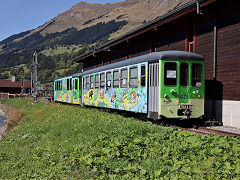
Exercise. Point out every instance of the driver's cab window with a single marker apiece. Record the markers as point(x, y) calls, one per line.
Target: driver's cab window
point(170, 74)
point(196, 75)
point(184, 74)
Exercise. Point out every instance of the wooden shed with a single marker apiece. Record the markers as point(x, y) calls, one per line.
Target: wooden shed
point(14, 88)
point(210, 28)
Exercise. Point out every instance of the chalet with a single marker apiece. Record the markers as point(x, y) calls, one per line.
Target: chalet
point(14, 88)
point(210, 28)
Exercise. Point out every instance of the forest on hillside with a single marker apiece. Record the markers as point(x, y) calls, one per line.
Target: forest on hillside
point(14, 53)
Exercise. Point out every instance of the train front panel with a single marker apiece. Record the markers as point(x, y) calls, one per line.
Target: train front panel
point(182, 89)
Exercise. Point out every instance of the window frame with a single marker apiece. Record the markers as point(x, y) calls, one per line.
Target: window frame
point(121, 78)
point(187, 84)
point(67, 84)
point(87, 82)
point(70, 84)
point(79, 83)
point(107, 80)
point(164, 79)
point(96, 81)
point(91, 81)
point(116, 79)
point(143, 76)
point(76, 84)
point(135, 77)
point(192, 74)
point(83, 82)
point(102, 80)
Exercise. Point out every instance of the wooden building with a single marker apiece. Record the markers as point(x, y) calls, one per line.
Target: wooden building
point(14, 88)
point(210, 28)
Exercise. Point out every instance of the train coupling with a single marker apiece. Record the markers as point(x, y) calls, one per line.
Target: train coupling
point(186, 112)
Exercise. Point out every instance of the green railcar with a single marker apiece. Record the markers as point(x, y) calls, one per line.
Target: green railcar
point(176, 86)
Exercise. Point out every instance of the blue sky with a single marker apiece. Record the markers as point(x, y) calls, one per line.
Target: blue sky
point(21, 15)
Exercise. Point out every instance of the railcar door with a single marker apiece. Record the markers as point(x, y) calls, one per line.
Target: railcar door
point(153, 85)
point(80, 90)
point(184, 83)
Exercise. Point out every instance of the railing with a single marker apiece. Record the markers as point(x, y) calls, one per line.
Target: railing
point(4, 95)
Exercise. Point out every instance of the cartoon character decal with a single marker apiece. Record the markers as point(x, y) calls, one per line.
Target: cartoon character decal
point(130, 99)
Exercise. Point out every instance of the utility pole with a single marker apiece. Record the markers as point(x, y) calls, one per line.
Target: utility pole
point(35, 65)
point(31, 92)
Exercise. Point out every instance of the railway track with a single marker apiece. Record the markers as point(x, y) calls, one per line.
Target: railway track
point(208, 131)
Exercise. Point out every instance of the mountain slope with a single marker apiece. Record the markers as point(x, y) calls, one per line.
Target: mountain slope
point(85, 25)
point(83, 15)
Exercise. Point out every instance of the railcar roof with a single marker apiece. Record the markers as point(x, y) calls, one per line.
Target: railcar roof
point(163, 55)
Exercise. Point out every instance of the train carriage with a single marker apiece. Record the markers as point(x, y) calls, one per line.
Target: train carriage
point(163, 84)
point(67, 90)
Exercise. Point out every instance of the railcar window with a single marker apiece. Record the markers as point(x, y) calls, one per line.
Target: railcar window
point(96, 81)
point(67, 84)
point(57, 85)
point(76, 84)
point(124, 78)
point(84, 81)
point(143, 75)
point(87, 82)
point(70, 80)
point(170, 74)
point(79, 84)
point(116, 79)
point(109, 79)
point(184, 74)
point(91, 81)
point(133, 80)
point(196, 75)
point(102, 80)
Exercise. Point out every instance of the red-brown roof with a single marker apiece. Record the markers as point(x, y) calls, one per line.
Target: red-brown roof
point(9, 83)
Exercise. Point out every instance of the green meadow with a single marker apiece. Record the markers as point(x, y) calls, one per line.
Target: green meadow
point(56, 141)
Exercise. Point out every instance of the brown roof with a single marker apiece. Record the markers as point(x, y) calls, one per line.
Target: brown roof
point(9, 83)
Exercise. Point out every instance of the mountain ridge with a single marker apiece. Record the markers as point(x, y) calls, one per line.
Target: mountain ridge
point(83, 27)
point(83, 15)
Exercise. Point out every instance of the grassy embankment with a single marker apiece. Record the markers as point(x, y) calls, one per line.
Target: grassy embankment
point(62, 141)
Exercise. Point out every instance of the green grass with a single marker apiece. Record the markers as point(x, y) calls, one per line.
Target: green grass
point(61, 50)
point(64, 141)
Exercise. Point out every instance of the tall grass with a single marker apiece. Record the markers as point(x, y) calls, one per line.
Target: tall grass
point(64, 141)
